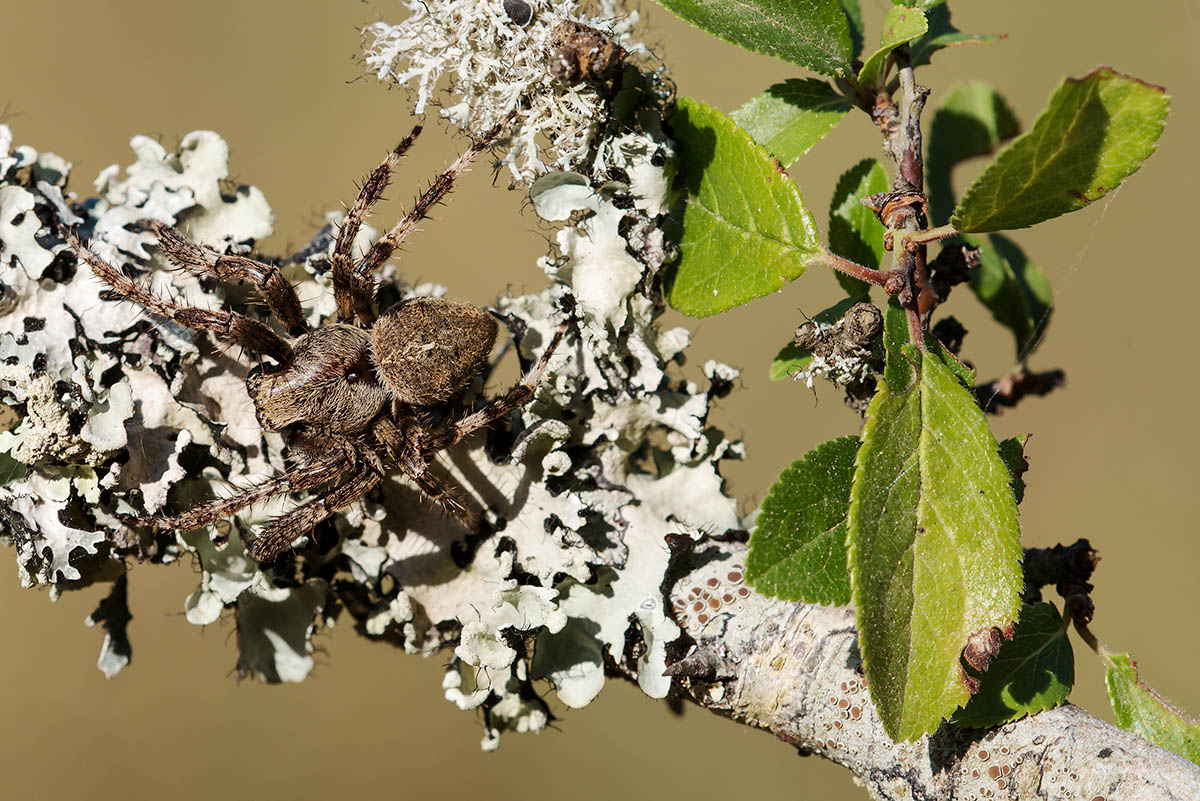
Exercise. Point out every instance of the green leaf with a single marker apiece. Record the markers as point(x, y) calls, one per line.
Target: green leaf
point(918, 3)
point(1095, 131)
point(746, 230)
point(855, 232)
point(1012, 453)
point(1144, 712)
point(854, 17)
point(790, 117)
point(811, 33)
point(900, 362)
point(964, 374)
point(935, 555)
point(10, 469)
point(798, 548)
point(901, 25)
point(1014, 290)
point(899, 369)
point(792, 359)
point(973, 120)
point(1032, 672)
point(789, 361)
point(942, 34)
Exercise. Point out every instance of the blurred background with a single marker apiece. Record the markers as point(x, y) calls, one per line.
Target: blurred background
point(1113, 456)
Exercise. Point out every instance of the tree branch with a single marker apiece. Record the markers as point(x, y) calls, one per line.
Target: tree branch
point(596, 496)
point(794, 670)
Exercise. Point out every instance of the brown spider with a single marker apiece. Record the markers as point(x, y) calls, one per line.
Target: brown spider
point(349, 398)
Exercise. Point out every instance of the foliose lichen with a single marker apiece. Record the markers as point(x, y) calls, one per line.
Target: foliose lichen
point(123, 414)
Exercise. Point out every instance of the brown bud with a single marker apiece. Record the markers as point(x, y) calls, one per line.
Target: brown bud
point(894, 284)
point(982, 646)
point(581, 53)
point(863, 322)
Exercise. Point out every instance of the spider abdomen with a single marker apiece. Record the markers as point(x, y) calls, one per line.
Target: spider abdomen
point(427, 349)
point(329, 384)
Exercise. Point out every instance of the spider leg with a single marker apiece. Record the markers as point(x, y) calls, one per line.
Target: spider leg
point(279, 535)
point(439, 490)
point(519, 395)
point(403, 447)
point(231, 327)
point(200, 259)
point(349, 289)
point(306, 477)
point(364, 285)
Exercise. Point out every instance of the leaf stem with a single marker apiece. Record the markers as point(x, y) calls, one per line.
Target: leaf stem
point(1086, 635)
point(915, 239)
point(852, 268)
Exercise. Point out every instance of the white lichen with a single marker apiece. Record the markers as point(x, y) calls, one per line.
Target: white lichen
point(580, 489)
point(107, 401)
point(494, 68)
point(845, 364)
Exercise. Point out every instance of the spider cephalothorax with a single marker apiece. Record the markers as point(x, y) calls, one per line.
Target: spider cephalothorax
point(349, 395)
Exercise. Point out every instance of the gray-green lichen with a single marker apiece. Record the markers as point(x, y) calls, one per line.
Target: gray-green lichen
point(123, 414)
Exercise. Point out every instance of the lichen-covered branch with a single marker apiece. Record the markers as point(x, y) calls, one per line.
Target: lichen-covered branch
point(608, 546)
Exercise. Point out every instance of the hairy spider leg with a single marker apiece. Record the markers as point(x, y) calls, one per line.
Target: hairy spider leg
point(311, 475)
point(279, 535)
point(403, 448)
point(519, 395)
point(268, 279)
point(363, 286)
point(231, 327)
point(347, 285)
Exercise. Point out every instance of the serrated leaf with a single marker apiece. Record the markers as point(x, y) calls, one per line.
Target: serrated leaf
point(855, 233)
point(811, 33)
point(942, 34)
point(1014, 290)
point(790, 117)
point(798, 548)
point(901, 25)
point(854, 17)
point(1141, 710)
point(1032, 672)
point(935, 555)
point(792, 359)
point(899, 358)
point(973, 120)
point(746, 230)
point(964, 374)
point(1012, 453)
point(1095, 131)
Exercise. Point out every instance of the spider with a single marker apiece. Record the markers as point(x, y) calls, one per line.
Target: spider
point(351, 399)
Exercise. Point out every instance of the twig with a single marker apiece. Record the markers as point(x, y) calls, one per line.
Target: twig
point(851, 268)
point(1006, 392)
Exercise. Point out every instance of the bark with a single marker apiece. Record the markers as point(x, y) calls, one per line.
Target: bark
point(794, 670)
